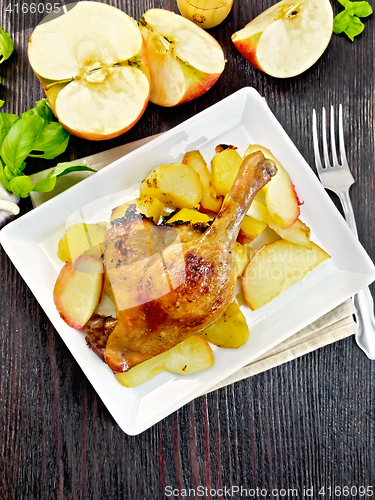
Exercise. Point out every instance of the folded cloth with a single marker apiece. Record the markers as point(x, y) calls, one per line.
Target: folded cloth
point(333, 326)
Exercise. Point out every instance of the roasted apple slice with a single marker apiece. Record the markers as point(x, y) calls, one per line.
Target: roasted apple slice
point(281, 198)
point(78, 290)
point(275, 268)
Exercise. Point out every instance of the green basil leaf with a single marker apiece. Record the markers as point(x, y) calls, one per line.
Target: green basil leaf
point(6, 45)
point(6, 122)
point(52, 141)
point(21, 185)
point(354, 28)
point(360, 9)
point(341, 22)
point(43, 109)
point(45, 180)
point(67, 167)
point(45, 185)
point(343, 2)
point(20, 140)
point(3, 180)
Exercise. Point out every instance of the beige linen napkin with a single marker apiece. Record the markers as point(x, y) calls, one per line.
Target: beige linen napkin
point(335, 325)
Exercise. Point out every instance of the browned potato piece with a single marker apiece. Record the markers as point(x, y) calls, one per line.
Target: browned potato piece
point(241, 257)
point(230, 331)
point(177, 185)
point(250, 229)
point(210, 202)
point(146, 205)
point(224, 169)
point(82, 239)
point(190, 356)
point(189, 215)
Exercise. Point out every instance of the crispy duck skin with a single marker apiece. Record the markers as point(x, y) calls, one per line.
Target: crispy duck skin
point(98, 329)
point(172, 290)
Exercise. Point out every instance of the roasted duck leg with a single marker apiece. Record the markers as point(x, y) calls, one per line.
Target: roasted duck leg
point(179, 289)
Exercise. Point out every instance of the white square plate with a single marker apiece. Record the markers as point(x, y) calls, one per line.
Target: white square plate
point(240, 119)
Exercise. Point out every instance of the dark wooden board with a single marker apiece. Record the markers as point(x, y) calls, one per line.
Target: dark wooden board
point(308, 423)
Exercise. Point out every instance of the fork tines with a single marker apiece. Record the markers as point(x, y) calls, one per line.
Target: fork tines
point(335, 161)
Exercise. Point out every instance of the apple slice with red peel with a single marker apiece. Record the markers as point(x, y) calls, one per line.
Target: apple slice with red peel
point(275, 268)
point(288, 38)
point(92, 63)
point(185, 61)
point(78, 290)
point(280, 195)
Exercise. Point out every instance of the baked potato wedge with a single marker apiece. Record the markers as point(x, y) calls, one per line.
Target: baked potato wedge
point(190, 356)
point(230, 331)
point(177, 185)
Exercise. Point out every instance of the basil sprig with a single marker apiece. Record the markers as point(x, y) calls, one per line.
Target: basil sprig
point(348, 21)
point(37, 134)
point(6, 45)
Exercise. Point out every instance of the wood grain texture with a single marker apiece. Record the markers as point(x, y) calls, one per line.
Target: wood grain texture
point(307, 423)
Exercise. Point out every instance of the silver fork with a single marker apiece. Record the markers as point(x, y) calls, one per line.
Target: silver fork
point(338, 178)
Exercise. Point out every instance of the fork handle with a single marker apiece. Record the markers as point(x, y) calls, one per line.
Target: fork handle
point(363, 301)
point(348, 211)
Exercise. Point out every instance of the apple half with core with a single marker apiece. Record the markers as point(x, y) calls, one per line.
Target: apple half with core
point(92, 63)
point(288, 38)
point(185, 61)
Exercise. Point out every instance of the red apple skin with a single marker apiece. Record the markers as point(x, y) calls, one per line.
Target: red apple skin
point(247, 48)
point(52, 93)
point(197, 88)
point(65, 305)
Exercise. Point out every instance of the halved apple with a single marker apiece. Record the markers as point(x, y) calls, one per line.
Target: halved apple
point(275, 268)
point(92, 63)
point(185, 61)
point(288, 38)
point(78, 290)
point(280, 195)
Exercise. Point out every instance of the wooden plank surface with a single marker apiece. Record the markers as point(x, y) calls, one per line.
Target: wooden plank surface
point(308, 423)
